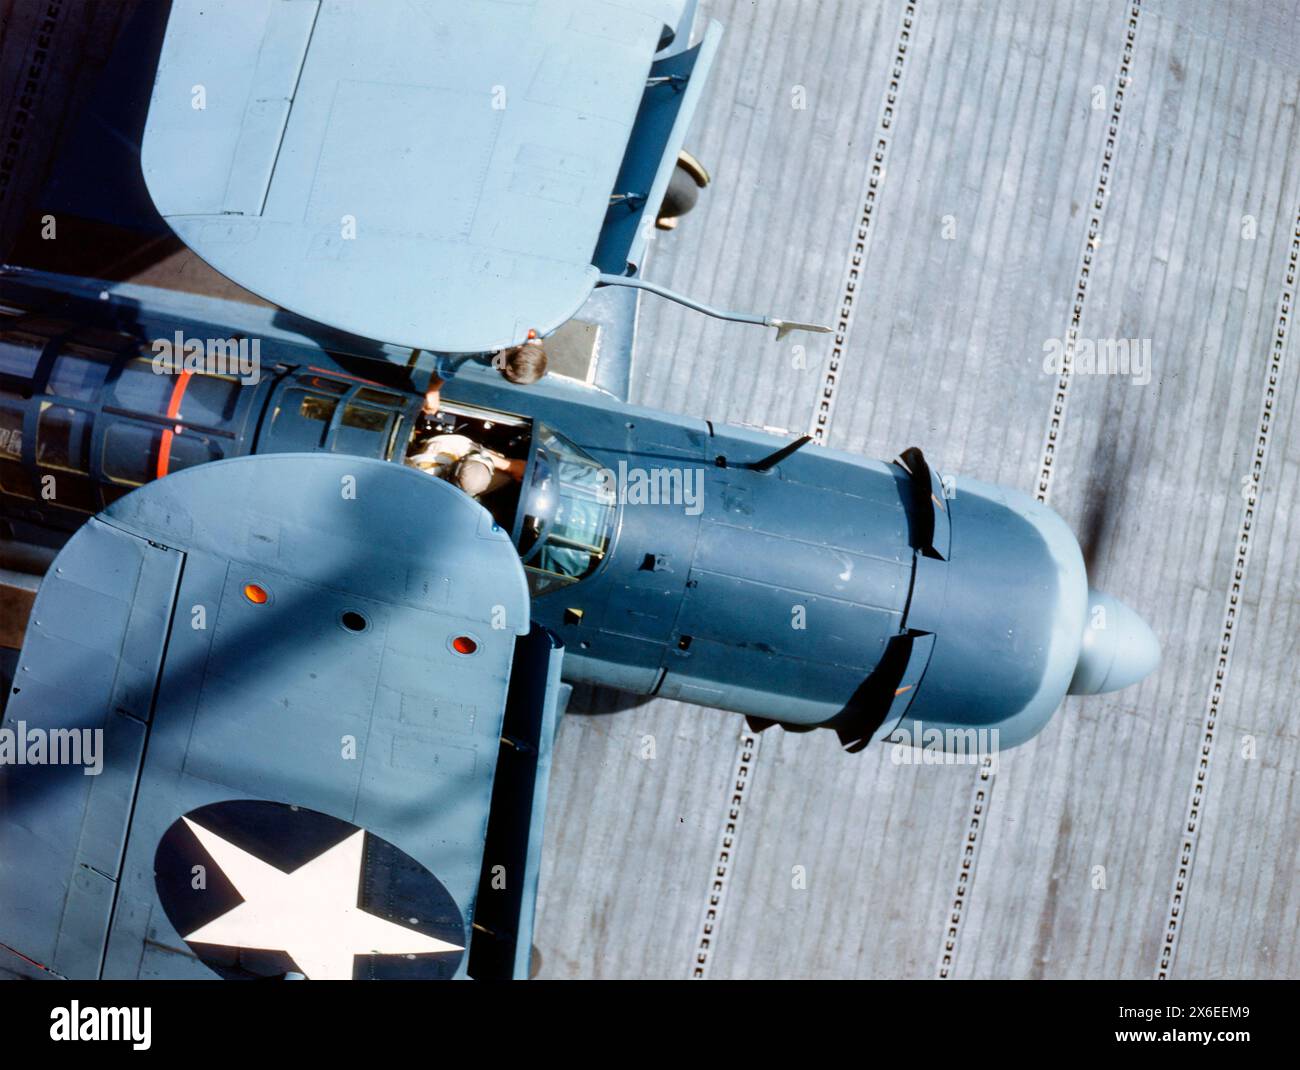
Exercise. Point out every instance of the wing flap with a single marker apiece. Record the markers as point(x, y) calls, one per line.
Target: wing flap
point(503, 937)
point(274, 79)
point(221, 102)
point(83, 687)
point(666, 111)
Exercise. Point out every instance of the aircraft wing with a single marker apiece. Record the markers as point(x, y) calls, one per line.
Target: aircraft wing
point(435, 175)
point(316, 721)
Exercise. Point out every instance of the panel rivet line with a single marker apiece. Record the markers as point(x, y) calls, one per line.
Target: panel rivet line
point(747, 752)
point(1201, 773)
point(982, 794)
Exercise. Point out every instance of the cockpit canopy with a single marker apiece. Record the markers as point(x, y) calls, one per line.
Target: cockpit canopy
point(566, 513)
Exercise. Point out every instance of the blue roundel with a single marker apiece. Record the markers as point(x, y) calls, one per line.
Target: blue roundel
point(263, 889)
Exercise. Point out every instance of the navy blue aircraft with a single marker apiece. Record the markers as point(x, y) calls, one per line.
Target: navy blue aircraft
point(316, 681)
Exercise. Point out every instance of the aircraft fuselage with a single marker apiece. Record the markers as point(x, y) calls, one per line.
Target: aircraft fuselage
point(823, 589)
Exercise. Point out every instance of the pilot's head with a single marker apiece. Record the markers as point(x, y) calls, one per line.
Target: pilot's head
point(523, 364)
point(474, 475)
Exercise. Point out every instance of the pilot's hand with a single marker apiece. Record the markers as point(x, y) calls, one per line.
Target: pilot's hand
point(513, 468)
point(433, 397)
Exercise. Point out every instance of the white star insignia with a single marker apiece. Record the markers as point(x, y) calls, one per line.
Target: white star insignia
point(310, 914)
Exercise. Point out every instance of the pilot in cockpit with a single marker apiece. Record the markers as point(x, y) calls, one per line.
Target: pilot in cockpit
point(472, 467)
